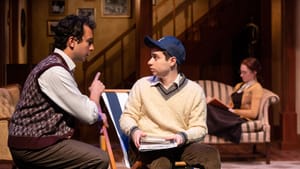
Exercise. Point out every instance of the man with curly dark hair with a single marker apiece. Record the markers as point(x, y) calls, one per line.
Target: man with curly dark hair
point(42, 126)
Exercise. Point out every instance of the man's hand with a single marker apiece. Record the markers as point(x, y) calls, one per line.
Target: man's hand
point(232, 111)
point(104, 119)
point(177, 137)
point(96, 88)
point(136, 137)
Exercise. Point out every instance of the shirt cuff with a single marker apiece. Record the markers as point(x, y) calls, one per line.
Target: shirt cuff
point(184, 136)
point(132, 130)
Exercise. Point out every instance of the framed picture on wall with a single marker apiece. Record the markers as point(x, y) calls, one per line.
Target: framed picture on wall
point(57, 7)
point(90, 12)
point(50, 25)
point(120, 8)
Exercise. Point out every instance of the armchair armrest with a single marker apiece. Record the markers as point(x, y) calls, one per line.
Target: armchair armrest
point(9, 96)
point(15, 91)
point(268, 99)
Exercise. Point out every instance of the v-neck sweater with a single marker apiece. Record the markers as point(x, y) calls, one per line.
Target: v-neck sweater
point(156, 115)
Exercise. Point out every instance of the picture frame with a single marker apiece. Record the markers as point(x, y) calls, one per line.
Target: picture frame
point(50, 25)
point(119, 9)
point(57, 7)
point(90, 12)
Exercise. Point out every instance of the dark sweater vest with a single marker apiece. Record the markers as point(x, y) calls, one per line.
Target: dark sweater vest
point(38, 122)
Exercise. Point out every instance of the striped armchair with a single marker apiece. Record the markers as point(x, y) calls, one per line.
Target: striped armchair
point(253, 132)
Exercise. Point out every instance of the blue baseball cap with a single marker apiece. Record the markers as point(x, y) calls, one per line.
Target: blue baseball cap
point(170, 44)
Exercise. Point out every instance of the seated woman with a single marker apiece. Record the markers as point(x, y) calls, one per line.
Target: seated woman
point(244, 104)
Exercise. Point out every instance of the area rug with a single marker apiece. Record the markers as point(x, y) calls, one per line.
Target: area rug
point(261, 165)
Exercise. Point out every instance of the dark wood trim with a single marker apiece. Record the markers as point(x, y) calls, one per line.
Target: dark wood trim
point(143, 17)
point(13, 31)
point(265, 47)
point(29, 33)
point(289, 115)
point(2, 43)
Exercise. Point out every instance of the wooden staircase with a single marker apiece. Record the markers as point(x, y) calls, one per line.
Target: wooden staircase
point(214, 47)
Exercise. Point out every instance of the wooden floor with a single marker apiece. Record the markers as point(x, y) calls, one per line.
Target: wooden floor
point(237, 154)
point(243, 152)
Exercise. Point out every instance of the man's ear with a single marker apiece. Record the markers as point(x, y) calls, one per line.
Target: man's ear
point(173, 60)
point(71, 42)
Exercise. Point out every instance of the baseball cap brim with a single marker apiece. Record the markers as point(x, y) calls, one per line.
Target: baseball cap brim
point(151, 43)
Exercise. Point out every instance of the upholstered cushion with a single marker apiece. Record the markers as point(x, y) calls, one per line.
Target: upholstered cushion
point(9, 96)
point(252, 137)
point(4, 151)
point(216, 89)
point(6, 104)
point(252, 126)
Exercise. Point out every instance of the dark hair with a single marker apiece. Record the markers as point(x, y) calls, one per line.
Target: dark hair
point(168, 56)
point(71, 25)
point(254, 65)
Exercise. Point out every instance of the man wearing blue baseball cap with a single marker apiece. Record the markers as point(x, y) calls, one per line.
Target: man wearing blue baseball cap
point(168, 106)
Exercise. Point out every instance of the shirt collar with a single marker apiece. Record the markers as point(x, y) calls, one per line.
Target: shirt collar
point(246, 85)
point(155, 80)
point(67, 59)
point(250, 83)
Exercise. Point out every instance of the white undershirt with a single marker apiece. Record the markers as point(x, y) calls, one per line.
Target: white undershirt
point(59, 85)
point(246, 85)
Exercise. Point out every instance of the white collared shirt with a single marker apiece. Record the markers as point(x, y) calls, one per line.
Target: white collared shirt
point(156, 80)
point(59, 85)
point(246, 85)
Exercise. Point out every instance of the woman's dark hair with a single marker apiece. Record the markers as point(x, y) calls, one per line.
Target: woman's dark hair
point(71, 25)
point(254, 65)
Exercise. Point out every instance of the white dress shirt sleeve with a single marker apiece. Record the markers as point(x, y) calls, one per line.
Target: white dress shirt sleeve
point(59, 85)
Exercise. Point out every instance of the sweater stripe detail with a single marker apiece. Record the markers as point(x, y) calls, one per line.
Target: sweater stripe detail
point(167, 93)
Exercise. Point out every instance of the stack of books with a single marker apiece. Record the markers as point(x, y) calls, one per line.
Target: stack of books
point(154, 143)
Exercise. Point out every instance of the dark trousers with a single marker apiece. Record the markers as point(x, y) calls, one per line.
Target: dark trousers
point(223, 123)
point(195, 154)
point(65, 154)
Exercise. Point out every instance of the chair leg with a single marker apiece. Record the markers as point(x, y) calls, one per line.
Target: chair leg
point(267, 152)
point(254, 149)
point(14, 167)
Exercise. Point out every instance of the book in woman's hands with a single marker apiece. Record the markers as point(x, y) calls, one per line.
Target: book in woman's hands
point(155, 143)
point(217, 103)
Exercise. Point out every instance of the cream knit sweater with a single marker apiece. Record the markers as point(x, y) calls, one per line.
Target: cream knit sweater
point(185, 111)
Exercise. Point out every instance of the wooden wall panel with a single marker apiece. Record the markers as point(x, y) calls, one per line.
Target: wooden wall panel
point(2, 43)
point(289, 115)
